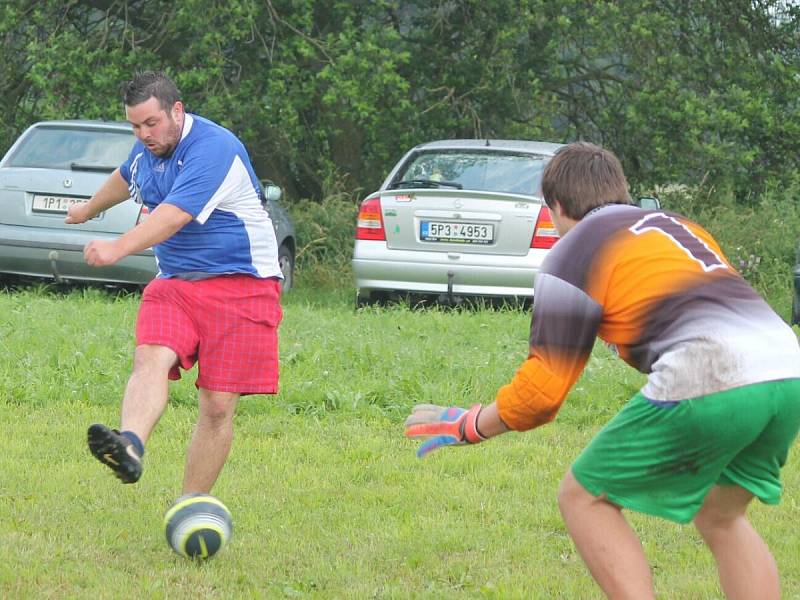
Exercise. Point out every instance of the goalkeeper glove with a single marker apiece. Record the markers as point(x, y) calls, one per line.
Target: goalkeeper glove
point(443, 426)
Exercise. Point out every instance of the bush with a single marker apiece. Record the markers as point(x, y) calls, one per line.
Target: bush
point(324, 239)
point(758, 235)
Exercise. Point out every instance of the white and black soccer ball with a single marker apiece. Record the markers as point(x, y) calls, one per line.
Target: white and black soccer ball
point(198, 526)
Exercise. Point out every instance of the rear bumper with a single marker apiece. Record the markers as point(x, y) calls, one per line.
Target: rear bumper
point(377, 269)
point(58, 254)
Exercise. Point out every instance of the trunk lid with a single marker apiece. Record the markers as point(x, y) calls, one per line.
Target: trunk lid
point(36, 197)
point(465, 221)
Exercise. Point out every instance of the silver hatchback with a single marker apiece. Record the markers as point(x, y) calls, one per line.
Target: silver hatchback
point(54, 164)
point(456, 219)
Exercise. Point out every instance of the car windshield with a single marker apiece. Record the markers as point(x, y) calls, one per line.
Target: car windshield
point(509, 172)
point(71, 148)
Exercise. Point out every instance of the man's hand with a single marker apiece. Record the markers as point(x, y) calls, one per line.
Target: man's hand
point(78, 213)
point(443, 426)
point(99, 253)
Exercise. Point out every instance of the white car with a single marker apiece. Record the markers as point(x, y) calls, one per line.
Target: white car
point(456, 219)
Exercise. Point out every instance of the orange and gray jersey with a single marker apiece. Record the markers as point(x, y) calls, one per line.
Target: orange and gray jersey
point(656, 288)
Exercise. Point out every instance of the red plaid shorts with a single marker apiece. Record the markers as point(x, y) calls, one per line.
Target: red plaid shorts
point(227, 324)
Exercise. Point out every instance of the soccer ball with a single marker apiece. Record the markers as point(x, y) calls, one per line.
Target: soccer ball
point(198, 526)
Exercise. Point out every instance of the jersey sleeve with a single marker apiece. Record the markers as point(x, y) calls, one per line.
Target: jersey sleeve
point(563, 329)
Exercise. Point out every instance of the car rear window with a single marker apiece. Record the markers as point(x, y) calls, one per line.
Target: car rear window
point(508, 172)
point(67, 147)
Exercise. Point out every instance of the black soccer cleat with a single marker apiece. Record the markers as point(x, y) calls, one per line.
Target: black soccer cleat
point(116, 451)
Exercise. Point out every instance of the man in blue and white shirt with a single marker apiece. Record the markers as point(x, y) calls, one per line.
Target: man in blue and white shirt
point(208, 176)
point(216, 298)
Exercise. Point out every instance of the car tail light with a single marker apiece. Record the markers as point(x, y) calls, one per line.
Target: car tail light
point(544, 233)
point(370, 221)
point(142, 214)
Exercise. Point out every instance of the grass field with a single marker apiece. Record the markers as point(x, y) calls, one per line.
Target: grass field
point(327, 497)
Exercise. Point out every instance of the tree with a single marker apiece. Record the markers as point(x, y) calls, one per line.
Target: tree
point(328, 94)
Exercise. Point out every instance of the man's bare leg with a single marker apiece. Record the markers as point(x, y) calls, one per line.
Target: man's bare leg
point(211, 441)
point(142, 405)
point(605, 541)
point(746, 567)
point(148, 390)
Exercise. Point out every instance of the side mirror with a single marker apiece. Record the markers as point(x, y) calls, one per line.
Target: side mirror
point(272, 192)
point(648, 203)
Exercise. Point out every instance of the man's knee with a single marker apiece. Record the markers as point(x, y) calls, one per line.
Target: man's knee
point(708, 520)
point(571, 494)
point(151, 358)
point(573, 498)
point(722, 508)
point(217, 407)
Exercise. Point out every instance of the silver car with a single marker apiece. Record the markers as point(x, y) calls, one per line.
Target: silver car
point(54, 164)
point(456, 219)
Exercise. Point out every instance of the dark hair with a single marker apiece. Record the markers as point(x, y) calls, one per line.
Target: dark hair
point(151, 84)
point(582, 176)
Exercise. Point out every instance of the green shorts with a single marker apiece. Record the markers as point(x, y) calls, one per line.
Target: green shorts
point(662, 459)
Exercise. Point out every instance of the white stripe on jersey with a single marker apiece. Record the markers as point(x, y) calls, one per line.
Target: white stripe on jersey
point(237, 195)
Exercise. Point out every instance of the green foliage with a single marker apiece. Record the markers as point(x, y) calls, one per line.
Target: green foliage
point(758, 234)
point(325, 233)
point(328, 94)
point(723, 106)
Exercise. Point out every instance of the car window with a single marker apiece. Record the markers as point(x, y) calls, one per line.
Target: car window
point(485, 171)
point(60, 148)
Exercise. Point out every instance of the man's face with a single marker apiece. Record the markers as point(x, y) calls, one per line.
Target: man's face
point(158, 129)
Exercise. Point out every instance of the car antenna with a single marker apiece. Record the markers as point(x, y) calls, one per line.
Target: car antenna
point(487, 142)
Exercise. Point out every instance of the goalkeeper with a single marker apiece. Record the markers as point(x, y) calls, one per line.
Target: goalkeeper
point(712, 426)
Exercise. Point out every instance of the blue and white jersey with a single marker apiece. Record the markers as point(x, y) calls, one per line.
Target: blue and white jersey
point(209, 176)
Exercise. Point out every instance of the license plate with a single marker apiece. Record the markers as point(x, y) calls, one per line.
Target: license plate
point(54, 204)
point(458, 233)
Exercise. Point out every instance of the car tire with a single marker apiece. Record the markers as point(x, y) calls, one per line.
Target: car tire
point(286, 263)
point(8, 280)
point(362, 299)
point(378, 298)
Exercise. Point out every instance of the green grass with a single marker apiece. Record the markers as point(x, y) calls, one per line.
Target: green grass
point(327, 497)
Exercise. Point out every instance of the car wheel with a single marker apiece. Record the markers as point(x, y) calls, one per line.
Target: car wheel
point(8, 280)
point(362, 299)
point(286, 263)
point(371, 298)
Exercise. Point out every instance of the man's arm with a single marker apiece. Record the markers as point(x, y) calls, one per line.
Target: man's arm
point(489, 422)
point(161, 224)
point(563, 329)
point(113, 191)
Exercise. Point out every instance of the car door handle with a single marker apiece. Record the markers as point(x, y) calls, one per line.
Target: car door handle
point(453, 255)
